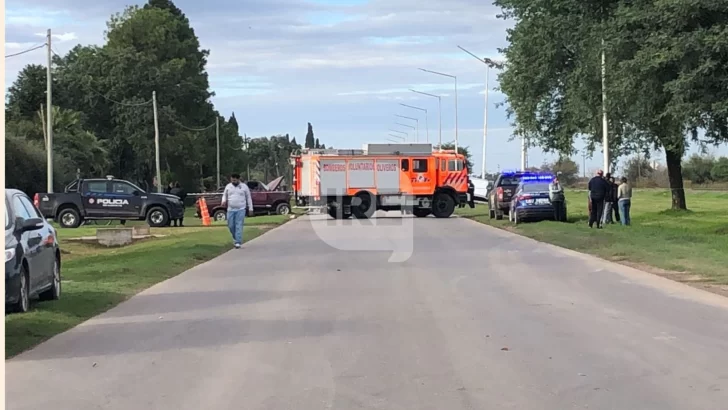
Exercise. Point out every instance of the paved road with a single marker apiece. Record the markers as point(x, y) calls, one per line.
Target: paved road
point(290, 322)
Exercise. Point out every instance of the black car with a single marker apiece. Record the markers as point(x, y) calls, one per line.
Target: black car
point(499, 196)
point(32, 255)
point(108, 199)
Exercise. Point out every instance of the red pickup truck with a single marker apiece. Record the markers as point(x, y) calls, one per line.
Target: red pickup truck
point(267, 199)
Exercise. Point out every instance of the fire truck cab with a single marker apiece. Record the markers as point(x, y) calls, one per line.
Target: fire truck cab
point(359, 182)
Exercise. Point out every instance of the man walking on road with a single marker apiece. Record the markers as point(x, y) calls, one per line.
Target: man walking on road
point(237, 198)
point(598, 189)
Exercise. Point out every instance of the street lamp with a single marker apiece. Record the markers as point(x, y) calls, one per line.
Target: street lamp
point(488, 64)
point(417, 123)
point(396, 136)
point(439, 111)
point(427, 126)
point(456, 101)
point(406, 125)
point(400, 132)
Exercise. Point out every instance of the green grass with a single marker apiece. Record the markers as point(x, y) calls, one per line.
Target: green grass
point(95, 279)
point(693, 242)
point(190, 221)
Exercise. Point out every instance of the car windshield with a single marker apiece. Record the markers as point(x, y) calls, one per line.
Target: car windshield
point(536, 187)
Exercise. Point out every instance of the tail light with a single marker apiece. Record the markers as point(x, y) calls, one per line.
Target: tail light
point(36, 200)
point(524, 197)
point(500, 193)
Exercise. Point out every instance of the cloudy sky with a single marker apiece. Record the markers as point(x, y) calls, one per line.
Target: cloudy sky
point(343, 65)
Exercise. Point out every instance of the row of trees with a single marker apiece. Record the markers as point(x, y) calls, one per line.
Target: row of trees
point(663, 76)
point(103, 116)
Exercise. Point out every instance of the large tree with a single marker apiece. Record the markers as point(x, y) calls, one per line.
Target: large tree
point(310, 139)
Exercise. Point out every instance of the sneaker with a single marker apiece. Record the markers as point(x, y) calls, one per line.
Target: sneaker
point(237, 246)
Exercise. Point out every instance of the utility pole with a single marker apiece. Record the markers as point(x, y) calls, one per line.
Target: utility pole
point(605, 124)
point(524, 153)
point(583, 163)
point(49, 122)
point(485, 120)
point(217, 138)
point(156, 142)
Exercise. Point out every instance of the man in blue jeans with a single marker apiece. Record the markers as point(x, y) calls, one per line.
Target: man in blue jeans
point(237, 198)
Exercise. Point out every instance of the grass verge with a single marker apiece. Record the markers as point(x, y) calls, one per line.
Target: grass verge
point(96, 279)
point(688, 246)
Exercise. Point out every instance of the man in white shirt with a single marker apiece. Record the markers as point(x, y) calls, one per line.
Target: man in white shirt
point(237, 198)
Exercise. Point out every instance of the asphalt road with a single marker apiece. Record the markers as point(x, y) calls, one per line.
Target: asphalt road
point(476, 319)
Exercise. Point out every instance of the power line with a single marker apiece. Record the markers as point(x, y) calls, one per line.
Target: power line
point(184, 126)
point(26, 51)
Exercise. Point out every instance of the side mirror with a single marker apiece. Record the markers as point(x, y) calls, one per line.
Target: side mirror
point(136, 193)
point(32, 224)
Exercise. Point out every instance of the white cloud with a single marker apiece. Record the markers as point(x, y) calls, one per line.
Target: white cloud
point(62, 38)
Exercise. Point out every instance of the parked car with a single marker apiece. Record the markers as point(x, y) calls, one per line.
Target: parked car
point(266, 199)
point(32, 254)
point(531, 201)
point(108, 199)
point(499, 196)
point(482, 188)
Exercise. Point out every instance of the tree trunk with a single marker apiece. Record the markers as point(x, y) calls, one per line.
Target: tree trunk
point(674, 174)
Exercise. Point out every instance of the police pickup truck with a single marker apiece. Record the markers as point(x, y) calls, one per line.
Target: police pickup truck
point(110, 199)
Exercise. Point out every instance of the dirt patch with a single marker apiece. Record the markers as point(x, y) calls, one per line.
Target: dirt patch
point(687, 278)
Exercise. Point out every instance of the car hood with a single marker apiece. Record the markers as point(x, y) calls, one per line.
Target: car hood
point(274, 184)
point(158, 195)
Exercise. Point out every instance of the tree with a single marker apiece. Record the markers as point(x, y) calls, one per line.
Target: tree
point(316, 144)
point(637, 168)
point(234, 124)
point(566, 169)
point(27, 93)
point(310, 142)
point(720, 170)
point(698, 169)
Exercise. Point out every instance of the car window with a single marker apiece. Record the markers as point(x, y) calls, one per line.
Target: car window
point(253, 185)
point(122, 188)
point(19, 208)
point(535, 187)
point(452, 165)
point(97, 187)
point(32, 210)
point(509, 181)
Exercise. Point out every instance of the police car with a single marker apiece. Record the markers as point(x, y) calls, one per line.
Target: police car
point(108, 199)
point(531, 200)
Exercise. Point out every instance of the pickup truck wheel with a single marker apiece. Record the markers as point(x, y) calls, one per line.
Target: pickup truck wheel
point(69, 218)
point(219, 215)
point(157, 217)
point(283, 209)
point(443, 206)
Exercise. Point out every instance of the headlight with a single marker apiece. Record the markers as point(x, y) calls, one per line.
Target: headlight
point(9, 254)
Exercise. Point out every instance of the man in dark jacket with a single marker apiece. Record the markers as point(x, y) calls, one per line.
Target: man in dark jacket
point(598, 190)
point(181, 194)
point(609, 200)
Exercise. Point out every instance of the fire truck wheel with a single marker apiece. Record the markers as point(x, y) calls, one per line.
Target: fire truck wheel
point(421, 212)
point(443, 206)
point(363, 205)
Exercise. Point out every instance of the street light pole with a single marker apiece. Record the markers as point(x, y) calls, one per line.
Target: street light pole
point(400, 132)
point(488, 65)
point(456, 101)
point(427, 126)
point(417, 124)
point(439, 113)
point(49, 120)
point(605, 124)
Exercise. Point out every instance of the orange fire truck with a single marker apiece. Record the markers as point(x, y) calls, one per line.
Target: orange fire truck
point(381, 176)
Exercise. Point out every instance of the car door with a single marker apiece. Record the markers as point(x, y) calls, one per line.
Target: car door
point(93, 196)
point(31, 242)
point(420, 176)
point(126, 200)
point(258, 193)
point(46, 253)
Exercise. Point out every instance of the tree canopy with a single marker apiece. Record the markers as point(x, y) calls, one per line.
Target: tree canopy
point(664, 76)
point(103, 114)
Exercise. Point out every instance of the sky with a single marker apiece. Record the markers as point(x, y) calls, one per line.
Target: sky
point(345, 66)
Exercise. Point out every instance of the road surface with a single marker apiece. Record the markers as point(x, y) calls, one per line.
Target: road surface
point(477, 318)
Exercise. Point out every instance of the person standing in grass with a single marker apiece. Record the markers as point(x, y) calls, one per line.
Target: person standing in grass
point(610, 201)
point(556, 196)
point(598, 189)
point(624, 200)
point(237, 198)
point(182, 195)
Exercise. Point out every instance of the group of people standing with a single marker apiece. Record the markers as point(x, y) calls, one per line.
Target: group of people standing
point(609, 201)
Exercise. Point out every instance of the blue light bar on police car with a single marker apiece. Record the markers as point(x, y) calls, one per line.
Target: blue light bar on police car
point(537, 178)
